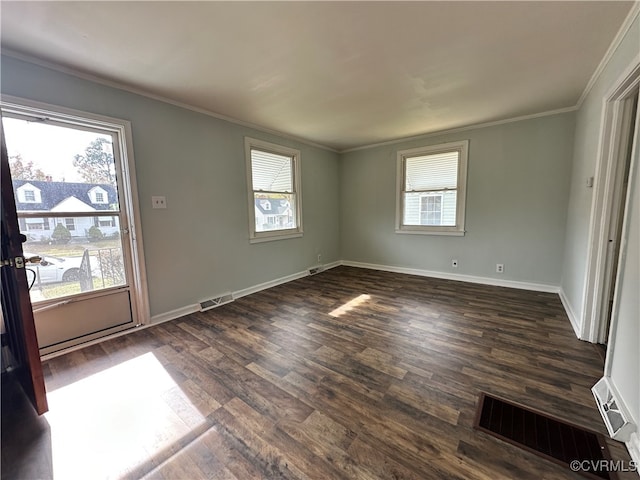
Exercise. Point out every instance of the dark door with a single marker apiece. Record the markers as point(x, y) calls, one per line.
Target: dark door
point(16, 304)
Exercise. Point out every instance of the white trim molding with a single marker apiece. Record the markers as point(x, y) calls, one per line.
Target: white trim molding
point(189, 309)
point(173, 314)
point(570, 313)
point(617, 40)
point(536, 287)
point(616, 104)
point(144, 93)
point(633, 445)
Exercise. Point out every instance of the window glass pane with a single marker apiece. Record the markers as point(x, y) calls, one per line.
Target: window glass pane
point(65, 170)
point(81, 259)
point(429, 172)
point(433, 208)
point(271, 172)
point(274, 211)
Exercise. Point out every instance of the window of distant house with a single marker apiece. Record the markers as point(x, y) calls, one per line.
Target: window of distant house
point(273, 177)
point(431, 209)
point(36, 224)
point(431, 189)
point(29, 196)
point(99, 197)
point(70, 223)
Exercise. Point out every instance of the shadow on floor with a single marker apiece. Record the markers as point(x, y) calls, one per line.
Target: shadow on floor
point(26, 437)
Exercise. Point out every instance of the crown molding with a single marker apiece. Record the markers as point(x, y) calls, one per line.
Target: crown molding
point(617, 40)
point(474, 126)
point(138, 91)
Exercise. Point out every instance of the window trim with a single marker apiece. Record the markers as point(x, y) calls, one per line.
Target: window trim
point(462, 147)
point(254, 236)
point(121, 130)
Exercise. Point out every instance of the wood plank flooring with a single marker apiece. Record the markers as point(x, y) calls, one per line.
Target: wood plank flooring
point(351, 373)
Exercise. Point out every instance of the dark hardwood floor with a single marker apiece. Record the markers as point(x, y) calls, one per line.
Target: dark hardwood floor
point(350, 373)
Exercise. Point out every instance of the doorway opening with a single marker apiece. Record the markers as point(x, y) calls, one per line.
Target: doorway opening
point(618, 143)
point(75, 196)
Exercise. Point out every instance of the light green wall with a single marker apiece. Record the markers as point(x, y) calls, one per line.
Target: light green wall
point(198, 247)
point(518, 179)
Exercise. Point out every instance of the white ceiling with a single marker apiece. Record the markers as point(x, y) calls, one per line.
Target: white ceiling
point(341, 74)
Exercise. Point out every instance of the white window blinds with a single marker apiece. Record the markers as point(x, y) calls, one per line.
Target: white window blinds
point(271, 172)
point(432, 172)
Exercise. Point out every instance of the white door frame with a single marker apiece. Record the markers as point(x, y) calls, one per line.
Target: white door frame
point(611, 157)
point(126, 168)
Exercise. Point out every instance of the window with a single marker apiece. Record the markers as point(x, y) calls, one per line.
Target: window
point(273, 177)
point(70, 224)
point(27, 193)
point(98, 194)
point(431, 209)
point(431, 189)
point(36, 224)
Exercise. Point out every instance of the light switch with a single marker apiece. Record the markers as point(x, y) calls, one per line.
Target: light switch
point(159, 202)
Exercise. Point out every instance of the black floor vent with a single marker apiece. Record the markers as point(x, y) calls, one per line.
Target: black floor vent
point(544, 435)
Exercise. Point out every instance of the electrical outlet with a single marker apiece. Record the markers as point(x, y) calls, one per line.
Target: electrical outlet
point(158, 202)
point(319, 257)
point(454, 263)
point(500, 267)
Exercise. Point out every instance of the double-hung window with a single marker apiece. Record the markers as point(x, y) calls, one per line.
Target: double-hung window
point(273, 177)
point(431, 188)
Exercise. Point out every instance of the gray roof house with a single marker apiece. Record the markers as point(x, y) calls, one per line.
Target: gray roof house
point(34, 196)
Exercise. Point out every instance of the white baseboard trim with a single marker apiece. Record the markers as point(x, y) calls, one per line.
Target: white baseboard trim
point(536, 287)
point(173, 314)
point(572, 316)
point(188, 309)
point(271, 283)
point(633, 445)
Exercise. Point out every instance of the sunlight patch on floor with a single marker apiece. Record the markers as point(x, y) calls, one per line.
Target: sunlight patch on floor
point(350, 305)
point(106, 424)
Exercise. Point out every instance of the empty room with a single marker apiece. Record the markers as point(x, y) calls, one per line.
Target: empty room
point(320, 240)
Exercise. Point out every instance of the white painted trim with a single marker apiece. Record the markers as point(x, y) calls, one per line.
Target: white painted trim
point(153, 96)
point(617, 40)
point(462, 147)
point(536, 287)
point(572, 316)
point(95, 341)
point(599, 220)
point(120, 130)
point(474, 126)
point(173, 314)
point(271, 283)
point(633, 445)
point(294, 153)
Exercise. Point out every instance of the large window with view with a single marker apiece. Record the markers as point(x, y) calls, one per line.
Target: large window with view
point(431, 188)
point(72, 175)
point(273, 176)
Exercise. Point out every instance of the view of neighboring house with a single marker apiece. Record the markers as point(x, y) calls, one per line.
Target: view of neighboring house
point(430, 208)
point(274, 213)
point(34, 196)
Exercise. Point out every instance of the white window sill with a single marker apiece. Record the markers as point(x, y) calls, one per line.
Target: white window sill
point(270, 238)
point(451, 233)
